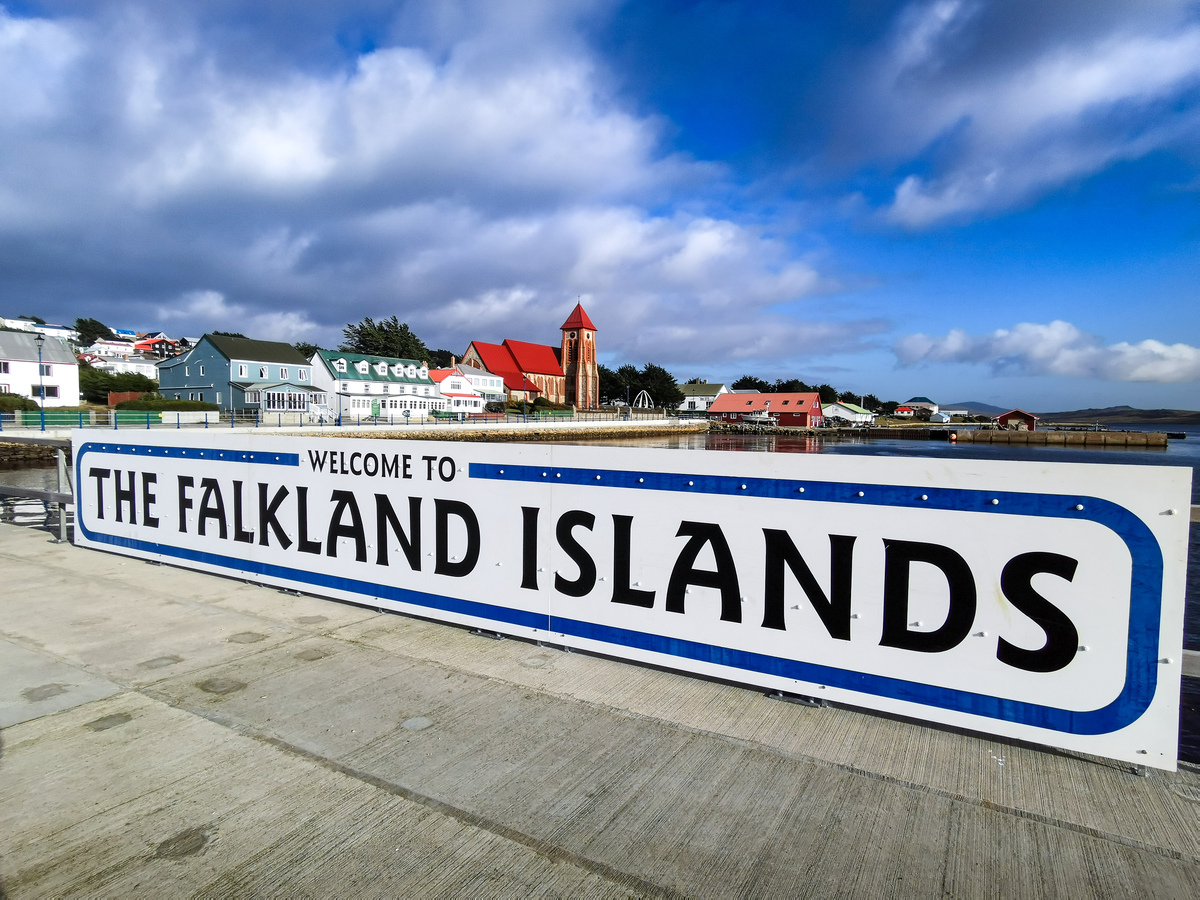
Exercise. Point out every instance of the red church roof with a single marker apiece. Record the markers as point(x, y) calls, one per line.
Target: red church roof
point(538, 359)
point(498, 359)
point(578, 319)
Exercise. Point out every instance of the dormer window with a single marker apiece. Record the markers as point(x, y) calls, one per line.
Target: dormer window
point(362, 367)
point(339, 365)
point(381, 368)
point(398, 370)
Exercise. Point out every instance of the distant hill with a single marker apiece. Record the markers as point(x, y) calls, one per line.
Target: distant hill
point(1125, 415)
point(976, 407)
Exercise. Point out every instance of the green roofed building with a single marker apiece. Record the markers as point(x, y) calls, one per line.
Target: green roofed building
point(699, 397)
point(359, 385)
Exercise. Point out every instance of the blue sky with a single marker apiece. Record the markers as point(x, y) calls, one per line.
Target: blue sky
point(956, 198)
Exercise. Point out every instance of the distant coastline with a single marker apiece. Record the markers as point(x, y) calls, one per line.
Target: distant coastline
point(1125, 415)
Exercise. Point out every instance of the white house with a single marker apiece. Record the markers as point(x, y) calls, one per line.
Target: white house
point(456, 389)
point(62, 332)
point(136, 365)
point(58, 379)
point(359, 386)
point(851, 412)
point(491, 386)
point(112, 349)
point(699, 397)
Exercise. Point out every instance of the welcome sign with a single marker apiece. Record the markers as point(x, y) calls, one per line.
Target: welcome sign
point(1030, 600)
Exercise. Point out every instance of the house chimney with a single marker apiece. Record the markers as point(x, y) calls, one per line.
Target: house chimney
point(453, 361)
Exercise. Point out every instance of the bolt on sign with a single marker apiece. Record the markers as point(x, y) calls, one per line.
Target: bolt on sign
point(1037, 601)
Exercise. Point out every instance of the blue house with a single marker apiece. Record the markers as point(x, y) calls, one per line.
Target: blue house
point(241, 374)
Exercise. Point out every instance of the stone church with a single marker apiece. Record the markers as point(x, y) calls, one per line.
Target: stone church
point(567, 374)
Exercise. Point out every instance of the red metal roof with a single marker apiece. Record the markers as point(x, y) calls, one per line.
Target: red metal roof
point(578, 319)
point(538, 359)
point(775, 403)
point(498, 360)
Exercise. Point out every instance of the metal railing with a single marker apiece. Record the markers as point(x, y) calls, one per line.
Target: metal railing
point(61, 496)
point(21, 423)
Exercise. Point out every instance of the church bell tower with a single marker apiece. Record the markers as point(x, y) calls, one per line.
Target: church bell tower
point(579, 360)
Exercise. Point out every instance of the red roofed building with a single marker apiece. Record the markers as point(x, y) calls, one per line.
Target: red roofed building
point(567, 374)
point(799, 410)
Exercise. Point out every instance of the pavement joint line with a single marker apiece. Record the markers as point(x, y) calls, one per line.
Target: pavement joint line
point(464, 816)
point(473, 818)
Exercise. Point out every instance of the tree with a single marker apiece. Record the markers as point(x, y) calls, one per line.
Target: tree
point(388, 337)
point(36, 320)
point(442, 359)
point(306, 349)
point(828, 393)
point(694, 381)
point(92, 330)
point(229, 334)
point(612, 389)
point(791, 386)
point(871, 402)
point(751, 383)
point(94, 384)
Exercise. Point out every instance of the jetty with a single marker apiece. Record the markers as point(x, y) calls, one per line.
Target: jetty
point(170, 731)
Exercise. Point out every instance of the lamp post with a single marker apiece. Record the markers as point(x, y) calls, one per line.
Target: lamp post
point(40, 339)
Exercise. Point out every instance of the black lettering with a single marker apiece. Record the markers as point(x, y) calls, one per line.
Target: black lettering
point(126, 496)
point(622, 592)
point(429, 461)
point(442, 468)
point(407, 466)
point(410, 543)
point(185, 502)
point(316, 459)
point(371, 465)
point(1062, 639)
point(443, 509)
point(303, 544)
point(239, 533)
point(529, 542)
point(353, 469)
point(685, 572)
point(345, 501)
point(209, 510)
point(342, 462)
point(267, 517)
point(834, 610)
point(582, 585)
point(392, 470)
point(148, 499)
point(99, 475)
point(898, 557)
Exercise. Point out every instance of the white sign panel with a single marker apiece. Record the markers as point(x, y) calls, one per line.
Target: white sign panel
point(1031, 600)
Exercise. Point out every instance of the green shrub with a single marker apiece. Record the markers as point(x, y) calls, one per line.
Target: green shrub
point(12, 402)
point(173, 405)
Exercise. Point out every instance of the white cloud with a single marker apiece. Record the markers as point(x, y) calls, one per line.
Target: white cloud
point(208, 310)
point(1002, 134)
point(1058, 348)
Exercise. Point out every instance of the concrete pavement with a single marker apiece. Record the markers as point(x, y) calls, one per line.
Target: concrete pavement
point(169, 731)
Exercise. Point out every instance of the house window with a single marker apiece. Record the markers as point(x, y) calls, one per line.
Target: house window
point(262, 373)
point(253, 397)
point(786, 402)
point(51, 390)
point(202, 371)
point(243, 370)
point(303, 374)
point(4, 389)
point(3, 368)
point(362, 367)
point(339, 365)
point(187, 370)
point(386, 388)
point(381, 368)
point(283, 373)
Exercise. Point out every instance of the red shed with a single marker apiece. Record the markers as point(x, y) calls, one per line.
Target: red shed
point(1017, 419)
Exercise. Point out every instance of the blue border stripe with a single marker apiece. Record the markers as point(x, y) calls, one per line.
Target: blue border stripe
point(1145, 601)
point(208, 454)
